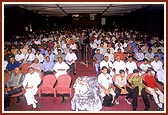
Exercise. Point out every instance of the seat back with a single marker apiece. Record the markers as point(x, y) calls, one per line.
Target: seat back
point(47, 86)
point(24, 68)
point(64, 80)
point(63, 84)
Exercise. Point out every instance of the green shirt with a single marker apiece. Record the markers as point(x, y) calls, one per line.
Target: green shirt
point(136, 81)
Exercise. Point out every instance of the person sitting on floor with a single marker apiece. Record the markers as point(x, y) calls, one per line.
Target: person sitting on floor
point(105, 82)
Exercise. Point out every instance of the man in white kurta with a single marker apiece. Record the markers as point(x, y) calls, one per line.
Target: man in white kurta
point(60, 67)
point(118, 65)
point(30, 83)
point(158, 68)
point(70, 60)
point(107, 63)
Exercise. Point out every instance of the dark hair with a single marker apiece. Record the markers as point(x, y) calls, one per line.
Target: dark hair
point(121, 71)
point(135, 71)
point(148, 71)
point(104, 67)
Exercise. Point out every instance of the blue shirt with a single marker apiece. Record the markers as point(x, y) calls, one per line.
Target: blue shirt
point(47, 66)
point(98, 57)
point(11, 66)
point(160, 55)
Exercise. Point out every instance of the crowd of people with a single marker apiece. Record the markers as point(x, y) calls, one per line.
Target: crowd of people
point(113, 52)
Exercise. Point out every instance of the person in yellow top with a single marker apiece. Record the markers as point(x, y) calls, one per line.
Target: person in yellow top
point(135, 88)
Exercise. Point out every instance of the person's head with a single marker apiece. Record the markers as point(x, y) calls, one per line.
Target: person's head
point(98, 51)
point(139, 50)
point(48, 58)
point(49, 52)
point(156, 58)
point(36, 60)
point(145, 61)
point(9, 51)
point(137, 45)
point(29, 51)
point(31, 70)
point(149, 50)
point(122, 73)
point(38, 52)
point(30, 46)
point(11, 59)
point(19, 52)
point(104, 69)
point(159, 51)
point(129, 58)
point(59, 51)
point(70, 50)
point(59, 59)
point(118, 58)
point(17, 70)
point(149, 72)
point(83, 34)
point(108, 50)
point(106, 58)
point(136, 72)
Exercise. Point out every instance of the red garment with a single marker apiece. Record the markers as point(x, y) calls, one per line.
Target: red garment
point(150, 81)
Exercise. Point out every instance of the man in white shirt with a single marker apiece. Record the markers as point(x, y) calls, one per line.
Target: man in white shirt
point(158, 68)
point(70, 60)
point(29, 56)
point(60, 67)
point(30, 83)
point(118, 65)
point(110, 55)
point(105, 82)
point(107, 64)
point(19, 56)
point(39, 56)
point(130, 65)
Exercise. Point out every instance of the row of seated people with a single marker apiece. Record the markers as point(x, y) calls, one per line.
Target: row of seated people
point(31, 84)
point(128, 65)
point(133, 85)
point(32, 80)
point(48, 66)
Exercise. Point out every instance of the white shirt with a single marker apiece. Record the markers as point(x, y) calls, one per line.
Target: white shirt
point(119, 65)
point(131, 66)
point(105, 80)
point(5, 64)
point(58, 66)
point(157, 65)
point(40, 57)
point(93, 45)
point(29, 57)
point(32, 80)
point(116, 49)
point(70, 58)
point(121, 81)
point(19, 57)
point(73, 46)
point(144, 67)
point(107, 64)
point(111, 56)
point(97, 41)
